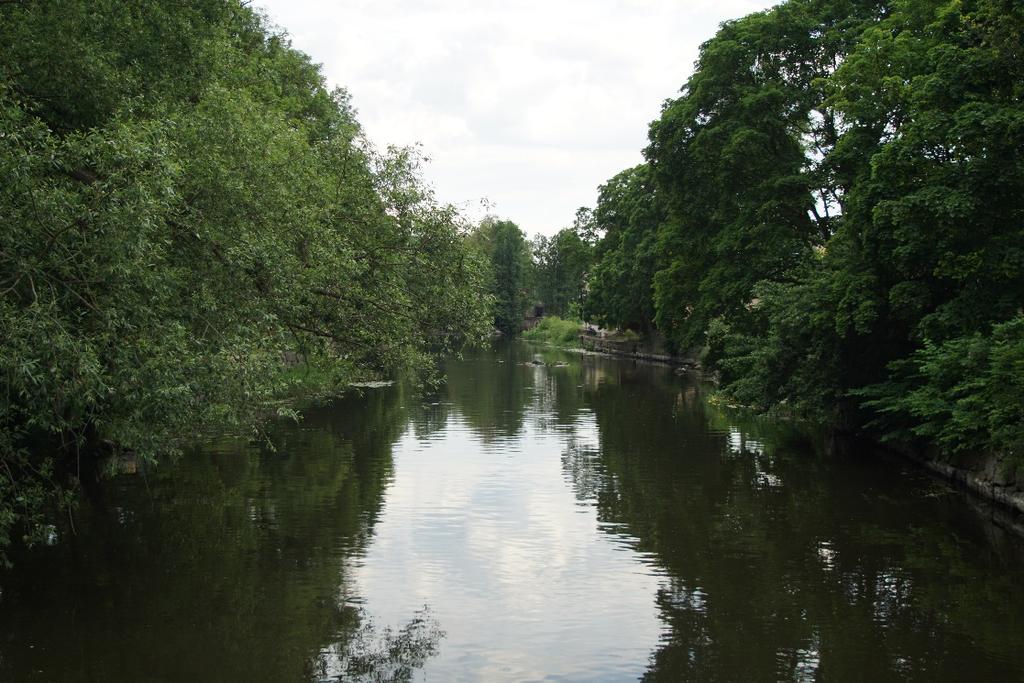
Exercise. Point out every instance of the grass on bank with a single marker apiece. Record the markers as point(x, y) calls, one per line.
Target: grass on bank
point(555, 330)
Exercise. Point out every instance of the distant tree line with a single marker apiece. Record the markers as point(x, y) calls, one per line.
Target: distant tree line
point(546, 272)
point(834, 208)
point(182, 200)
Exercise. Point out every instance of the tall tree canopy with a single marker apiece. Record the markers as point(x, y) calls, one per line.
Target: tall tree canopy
point(837, 204)
point(562, 263)
point(628, 214)
point(740, 159)
point(181, 201)
point(504, 247)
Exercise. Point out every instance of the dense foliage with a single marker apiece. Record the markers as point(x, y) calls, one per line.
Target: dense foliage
point(557, 331)
point(834, 206)
point(503, 247)
point(562, 264)
point(182, 202)
point(627, 214)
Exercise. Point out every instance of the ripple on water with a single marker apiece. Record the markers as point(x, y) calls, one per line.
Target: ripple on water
point(593, 522)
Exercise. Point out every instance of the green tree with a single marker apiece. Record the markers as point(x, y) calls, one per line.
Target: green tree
point(563, 264)
point(906, 322)
point(511, 270)
point(934, 96)
point(833, 205)
point(182, 200)
point(628, 214)
point(740, 159)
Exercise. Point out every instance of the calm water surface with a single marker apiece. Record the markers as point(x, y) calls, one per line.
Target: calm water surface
point(596, 521)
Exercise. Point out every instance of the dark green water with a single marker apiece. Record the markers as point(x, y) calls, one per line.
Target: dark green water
point(593, 522)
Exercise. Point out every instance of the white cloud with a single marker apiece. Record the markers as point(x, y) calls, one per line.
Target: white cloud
point(531, 104)
point(514, 569)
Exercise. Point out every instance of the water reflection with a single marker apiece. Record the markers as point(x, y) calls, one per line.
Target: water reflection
point(481, 524)
point(232, 564)
point(788, 565)
point(565, 517)
point(780, 562)
point(369, 654)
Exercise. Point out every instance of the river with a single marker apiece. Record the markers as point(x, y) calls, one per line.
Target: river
point(580, 519)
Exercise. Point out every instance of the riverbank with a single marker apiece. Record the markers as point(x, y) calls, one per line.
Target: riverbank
point(990, 477)
point(568, 333)
point(646, 349)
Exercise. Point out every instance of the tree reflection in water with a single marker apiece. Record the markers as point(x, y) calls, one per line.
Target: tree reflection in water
point(576, 494)
point(781, 560)
point(369, 654)
point(233, 564)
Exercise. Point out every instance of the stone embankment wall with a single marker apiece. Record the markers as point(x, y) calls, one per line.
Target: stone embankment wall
point(992, 476)
point(993, 483)
point(649, 349)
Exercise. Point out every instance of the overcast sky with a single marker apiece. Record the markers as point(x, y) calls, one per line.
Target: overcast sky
point(527, 104)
